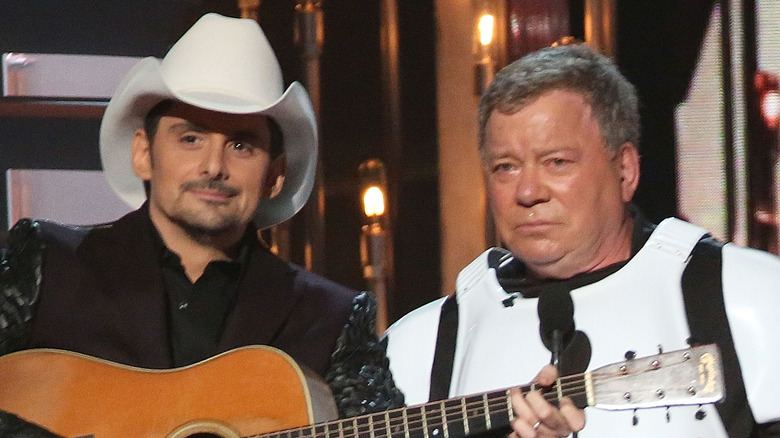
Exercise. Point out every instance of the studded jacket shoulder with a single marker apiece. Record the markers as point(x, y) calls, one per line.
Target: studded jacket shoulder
point(359, 375)
point(20, 281)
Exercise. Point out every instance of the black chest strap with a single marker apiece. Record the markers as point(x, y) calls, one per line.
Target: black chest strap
point(444, 354)
point(702, 287)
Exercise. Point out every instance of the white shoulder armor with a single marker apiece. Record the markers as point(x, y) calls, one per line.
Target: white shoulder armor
point(412, 339)
point(411, 342)
point(751, 292)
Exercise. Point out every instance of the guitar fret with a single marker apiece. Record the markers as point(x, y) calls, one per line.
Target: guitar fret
point(396, 423)
point(509, 410)
point(453, 418)
point(416, 422)
point(475, 414)
point(444, 419)
point(379, 424)
point(424, 422)
point(388, 425)
point(363, 426)
point(433, 414)
point(464, 415)
point(486, 407)
point(406, 425)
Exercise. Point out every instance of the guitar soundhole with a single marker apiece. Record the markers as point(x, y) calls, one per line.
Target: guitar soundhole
point(204, 429)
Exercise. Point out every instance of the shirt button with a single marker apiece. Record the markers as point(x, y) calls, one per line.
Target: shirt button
point(183, 305)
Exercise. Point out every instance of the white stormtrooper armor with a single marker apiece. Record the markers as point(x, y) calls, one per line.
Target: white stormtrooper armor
point(638, 308)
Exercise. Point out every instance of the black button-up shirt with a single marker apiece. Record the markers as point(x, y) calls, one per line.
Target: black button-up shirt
point(197, 311)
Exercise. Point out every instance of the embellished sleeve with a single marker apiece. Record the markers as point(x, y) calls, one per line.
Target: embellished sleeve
point(13, 426)
point(20, 279)
point(359, 374)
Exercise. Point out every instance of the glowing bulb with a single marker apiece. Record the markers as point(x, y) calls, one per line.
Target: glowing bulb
point(485, 26)
point(770, 108)
point(374, 202)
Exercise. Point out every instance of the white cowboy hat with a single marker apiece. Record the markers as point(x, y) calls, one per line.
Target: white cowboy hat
point(221, 64)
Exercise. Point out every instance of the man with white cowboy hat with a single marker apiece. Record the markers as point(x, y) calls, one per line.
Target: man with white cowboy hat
point(205, 133)
point(197, 142)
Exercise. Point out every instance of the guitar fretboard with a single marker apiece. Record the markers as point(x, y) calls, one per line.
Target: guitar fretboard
point(457, 417)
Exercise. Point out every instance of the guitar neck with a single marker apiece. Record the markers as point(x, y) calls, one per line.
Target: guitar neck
point(683, 377)
point(456, 417)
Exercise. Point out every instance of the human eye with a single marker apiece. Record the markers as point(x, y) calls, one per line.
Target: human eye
point(558, 162)
point(504, 170)
point(243, 147)
point(190, 139)
point(502, 167)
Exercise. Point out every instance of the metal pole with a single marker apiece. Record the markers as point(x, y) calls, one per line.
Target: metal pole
point(249, 8)
point(309, 35)
point(600, 26)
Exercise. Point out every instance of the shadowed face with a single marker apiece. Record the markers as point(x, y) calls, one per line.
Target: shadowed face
point(207, 170)
point(557, 195)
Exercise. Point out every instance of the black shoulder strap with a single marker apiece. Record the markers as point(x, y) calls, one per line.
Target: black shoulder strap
point(702, 288)
point(444, 354)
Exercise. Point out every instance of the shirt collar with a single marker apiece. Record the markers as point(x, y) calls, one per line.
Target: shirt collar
point(169, 258)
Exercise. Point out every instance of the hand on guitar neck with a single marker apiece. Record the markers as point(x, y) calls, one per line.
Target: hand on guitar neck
point(535, 416)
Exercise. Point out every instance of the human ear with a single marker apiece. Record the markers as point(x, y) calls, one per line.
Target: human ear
point(628, 157)
point(274, 177)
point(141, 155)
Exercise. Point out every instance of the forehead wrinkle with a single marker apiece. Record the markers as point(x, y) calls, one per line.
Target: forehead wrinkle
point(533, 137)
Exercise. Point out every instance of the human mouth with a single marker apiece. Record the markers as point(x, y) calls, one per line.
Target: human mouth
point(213, 191)
point(537, 225)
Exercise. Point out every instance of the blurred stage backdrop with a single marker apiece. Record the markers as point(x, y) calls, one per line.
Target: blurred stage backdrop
point(396, 86)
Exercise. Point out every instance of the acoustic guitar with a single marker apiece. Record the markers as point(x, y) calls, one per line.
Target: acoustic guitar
point(259, 391)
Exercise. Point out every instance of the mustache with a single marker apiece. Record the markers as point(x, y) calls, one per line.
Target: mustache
point(219, 186)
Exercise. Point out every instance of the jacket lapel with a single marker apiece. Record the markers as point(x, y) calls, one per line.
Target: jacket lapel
point(127, 256)
point(266, 297)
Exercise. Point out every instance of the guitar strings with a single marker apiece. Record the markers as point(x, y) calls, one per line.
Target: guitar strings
point(434, 415)
point(433, 418)
point(474, 407)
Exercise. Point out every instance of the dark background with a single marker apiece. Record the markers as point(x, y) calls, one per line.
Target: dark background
point(658, 42)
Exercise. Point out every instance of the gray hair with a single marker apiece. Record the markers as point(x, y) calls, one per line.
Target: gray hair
point(575, 68)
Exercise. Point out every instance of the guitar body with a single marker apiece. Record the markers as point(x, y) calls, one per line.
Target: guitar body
point(250, 390)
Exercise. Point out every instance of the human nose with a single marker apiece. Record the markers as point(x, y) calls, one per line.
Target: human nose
point(531, 188)
point(213, 164)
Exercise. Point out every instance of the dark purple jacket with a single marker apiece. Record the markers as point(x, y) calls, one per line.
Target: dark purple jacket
point(102, 295)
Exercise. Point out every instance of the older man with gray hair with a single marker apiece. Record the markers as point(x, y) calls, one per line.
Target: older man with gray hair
point(582, 278)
